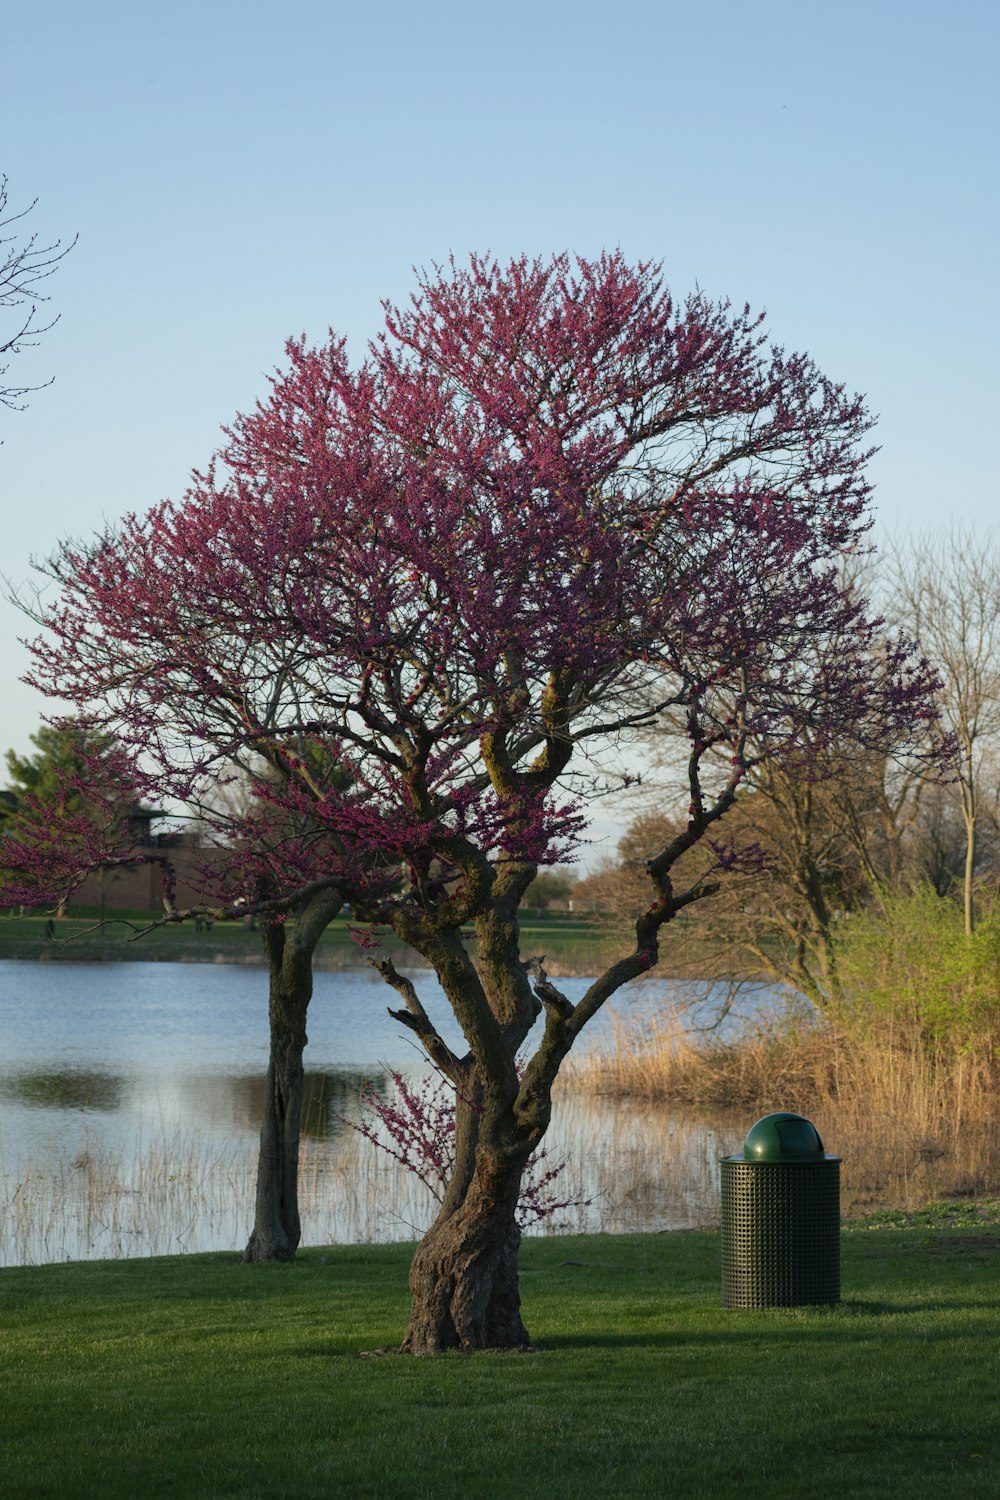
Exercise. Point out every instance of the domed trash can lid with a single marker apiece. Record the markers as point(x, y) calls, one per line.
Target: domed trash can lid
point(784, 1137)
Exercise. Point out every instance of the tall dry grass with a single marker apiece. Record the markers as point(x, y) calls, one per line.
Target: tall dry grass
point(658, 1059)
point(913, 1118)
point(787, 1062)
point(162, 1199)
point(186, 1192)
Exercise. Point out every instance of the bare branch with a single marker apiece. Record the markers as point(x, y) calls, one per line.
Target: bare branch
point(418, 1021)
point(23, 264)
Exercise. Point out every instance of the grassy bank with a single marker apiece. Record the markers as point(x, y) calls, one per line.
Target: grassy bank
point(572, 945)
point(198, 1377)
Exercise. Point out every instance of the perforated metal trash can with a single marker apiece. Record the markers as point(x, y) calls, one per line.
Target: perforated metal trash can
point(781, 1218)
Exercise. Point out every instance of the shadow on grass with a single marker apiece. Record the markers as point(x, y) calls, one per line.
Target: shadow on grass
point(836, 1330)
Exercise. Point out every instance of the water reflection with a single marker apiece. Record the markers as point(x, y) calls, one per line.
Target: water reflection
point(193, 1191)
point(144, 1189)
point(330, 1097)
point(65, 1088)
point(235, 1101)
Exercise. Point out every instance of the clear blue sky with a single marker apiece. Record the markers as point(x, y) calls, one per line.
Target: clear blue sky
point(241, 172)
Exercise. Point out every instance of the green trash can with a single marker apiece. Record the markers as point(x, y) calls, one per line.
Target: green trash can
point(781, 1217)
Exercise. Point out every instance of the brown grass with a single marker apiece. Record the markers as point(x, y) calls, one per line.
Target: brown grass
point(660, 1061)
point(891, 1069)
point(912, 1121)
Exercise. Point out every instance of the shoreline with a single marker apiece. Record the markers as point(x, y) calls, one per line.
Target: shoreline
point(328, 963)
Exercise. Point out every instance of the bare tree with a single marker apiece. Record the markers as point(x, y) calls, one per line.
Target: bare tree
point(24, 262)
point(836, 828)
point(825, 850)
point(946, 593)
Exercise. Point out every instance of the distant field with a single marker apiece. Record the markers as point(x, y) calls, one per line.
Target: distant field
point(571, 944)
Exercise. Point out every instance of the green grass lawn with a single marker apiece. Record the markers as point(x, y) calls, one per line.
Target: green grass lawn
point(565, 940)
point(197, 1376)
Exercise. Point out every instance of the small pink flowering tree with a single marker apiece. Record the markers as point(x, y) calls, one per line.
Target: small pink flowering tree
point(552, 506)
point(415, 1126)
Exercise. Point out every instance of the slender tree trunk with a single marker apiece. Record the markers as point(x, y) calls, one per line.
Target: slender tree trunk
point(464, 1275)
point(277, 1228)
point(970, 871)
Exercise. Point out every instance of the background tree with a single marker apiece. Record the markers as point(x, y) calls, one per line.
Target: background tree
point(76, 777)
point(947, 594)
point(856, 829)
point(58, 766)
point(24, 263)
point(77, 797)
point(550, 890)
point(831, 842)
point(551, 506)
point(289, 939)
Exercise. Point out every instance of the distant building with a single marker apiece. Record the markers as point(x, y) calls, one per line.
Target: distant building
point(139, 886)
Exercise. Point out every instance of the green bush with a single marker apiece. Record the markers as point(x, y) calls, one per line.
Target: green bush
point(912, 962)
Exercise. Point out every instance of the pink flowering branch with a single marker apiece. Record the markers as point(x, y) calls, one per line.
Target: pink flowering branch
point(415, 1126)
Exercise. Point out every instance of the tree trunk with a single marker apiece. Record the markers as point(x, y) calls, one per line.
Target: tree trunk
point(277, 1229)
point(464, 1274)
point(969, 907)
point(463, 1279)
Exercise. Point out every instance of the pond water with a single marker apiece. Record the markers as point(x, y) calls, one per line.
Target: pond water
point(130, 1099)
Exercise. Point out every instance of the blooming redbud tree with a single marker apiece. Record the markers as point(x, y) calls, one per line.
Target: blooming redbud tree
point(552, 506)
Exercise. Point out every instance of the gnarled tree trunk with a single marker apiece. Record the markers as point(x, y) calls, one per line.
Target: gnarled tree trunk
point(277, 1228)
point(464, 1275)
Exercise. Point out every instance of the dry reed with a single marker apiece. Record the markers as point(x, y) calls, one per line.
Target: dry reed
point(188, 1193)
point(914, 1119)
point(892, 1069)
point(659, 1059)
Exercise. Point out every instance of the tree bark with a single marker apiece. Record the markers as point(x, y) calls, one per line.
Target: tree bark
point(970, 812)
point(464, 1275)
point(970, 874)
point(277, 1229)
